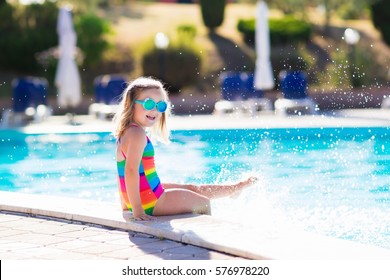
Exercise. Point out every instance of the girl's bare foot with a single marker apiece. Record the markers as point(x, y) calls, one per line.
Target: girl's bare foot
point(242, 185)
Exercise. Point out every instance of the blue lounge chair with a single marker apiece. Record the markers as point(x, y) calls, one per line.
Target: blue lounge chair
point(256, 99)
point(108, 89)
point(295, 100)
point(232, 86)
point(239, 95)
point(29, 101)
point(21, 94)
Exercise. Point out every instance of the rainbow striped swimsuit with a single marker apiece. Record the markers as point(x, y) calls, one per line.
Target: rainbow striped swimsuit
point(150, 186)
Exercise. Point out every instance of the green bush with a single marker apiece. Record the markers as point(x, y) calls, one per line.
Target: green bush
point(178, 66)
point(213, 13)
point(282, 31)
point(186, 32)
point(91, 30)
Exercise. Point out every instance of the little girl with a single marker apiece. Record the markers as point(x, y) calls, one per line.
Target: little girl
point(145, 105)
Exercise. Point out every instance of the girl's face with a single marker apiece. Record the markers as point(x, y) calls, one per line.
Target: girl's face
point(144, 117)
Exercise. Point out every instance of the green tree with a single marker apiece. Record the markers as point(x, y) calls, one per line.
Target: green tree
point(91, 30)
point(213, 13)
point(290, 6)
point(25, 31)
point(298, 7)
point(347, 9)
point(380, 11)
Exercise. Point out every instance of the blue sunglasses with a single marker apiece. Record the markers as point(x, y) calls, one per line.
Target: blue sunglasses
point(149, 104)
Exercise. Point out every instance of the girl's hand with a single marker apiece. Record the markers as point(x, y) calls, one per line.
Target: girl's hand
point(142, 216)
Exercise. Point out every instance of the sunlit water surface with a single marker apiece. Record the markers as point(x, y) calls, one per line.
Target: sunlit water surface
point(331, 181)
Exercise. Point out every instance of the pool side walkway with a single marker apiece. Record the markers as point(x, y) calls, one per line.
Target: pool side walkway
point(28, 235)
point(46, 227)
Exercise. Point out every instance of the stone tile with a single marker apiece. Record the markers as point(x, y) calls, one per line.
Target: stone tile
point(104, 237)
point(7, 218)
point(36, 238)
point(140, 240)
point(22, 224)
point(4, 241)
point(122, 240)
point(186, 249)
point(68, 255)
point(149, 257)
point(13, 256)
point(160, 245)
point(40, 252)
point(14, 246)
point(99, 228)
point(73, 244)
point(141, 235)
point(130, 253)
point(52, 220)
point(79, 233)
point(98, 248)
point(130, 239)
point(72, 226)
point(53, 229)
point(97, 257)
point(11, 232)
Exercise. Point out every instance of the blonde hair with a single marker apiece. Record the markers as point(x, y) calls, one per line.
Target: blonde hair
point(124, 117)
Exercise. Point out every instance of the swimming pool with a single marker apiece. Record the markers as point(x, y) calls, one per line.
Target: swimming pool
point(332, 181)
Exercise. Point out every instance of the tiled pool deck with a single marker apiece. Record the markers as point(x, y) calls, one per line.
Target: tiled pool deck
point(43, 227)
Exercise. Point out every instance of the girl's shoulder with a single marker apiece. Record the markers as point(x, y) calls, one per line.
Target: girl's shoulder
point(133, 133)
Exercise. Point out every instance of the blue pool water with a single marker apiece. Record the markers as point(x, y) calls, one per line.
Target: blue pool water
point(332, 181)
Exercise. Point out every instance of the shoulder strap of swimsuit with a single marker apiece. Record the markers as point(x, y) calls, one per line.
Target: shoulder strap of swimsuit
point(118, 141)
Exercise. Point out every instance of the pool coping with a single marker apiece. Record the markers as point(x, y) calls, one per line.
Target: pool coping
point(198, 230)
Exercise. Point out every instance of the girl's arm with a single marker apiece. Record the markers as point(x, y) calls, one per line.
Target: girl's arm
point(134, 141)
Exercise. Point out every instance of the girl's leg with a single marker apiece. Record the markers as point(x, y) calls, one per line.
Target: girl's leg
point(214, 191)
point(181, 201)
